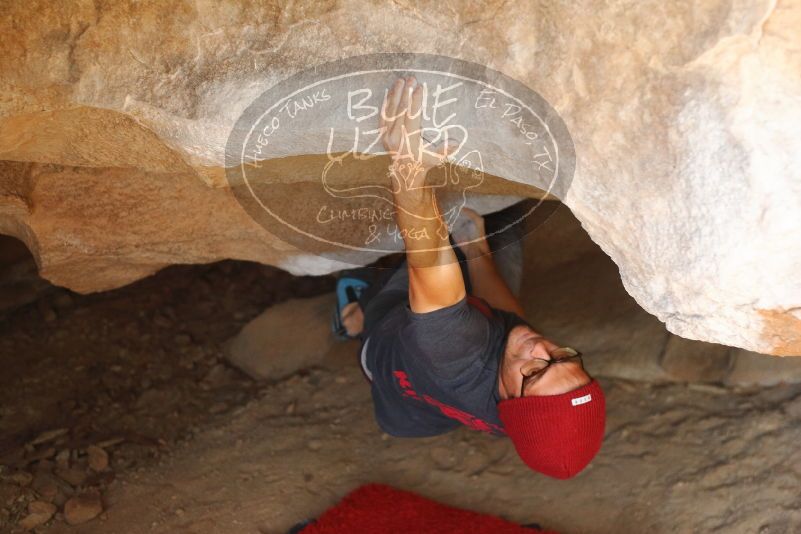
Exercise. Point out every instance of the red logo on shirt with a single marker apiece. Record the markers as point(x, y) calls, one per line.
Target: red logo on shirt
point(449, 411)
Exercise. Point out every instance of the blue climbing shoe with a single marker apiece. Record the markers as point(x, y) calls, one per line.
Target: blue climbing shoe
point(348, 290)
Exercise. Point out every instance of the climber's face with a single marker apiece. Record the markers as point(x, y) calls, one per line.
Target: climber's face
point(523, 357)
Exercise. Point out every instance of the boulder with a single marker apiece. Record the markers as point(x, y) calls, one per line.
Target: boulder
point(574, 296)
point(114, 120)
point(287, 337)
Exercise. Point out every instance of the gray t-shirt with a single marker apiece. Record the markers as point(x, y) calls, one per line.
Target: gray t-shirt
point(433, 371)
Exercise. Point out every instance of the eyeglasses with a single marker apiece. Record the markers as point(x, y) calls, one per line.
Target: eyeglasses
point(560, 355)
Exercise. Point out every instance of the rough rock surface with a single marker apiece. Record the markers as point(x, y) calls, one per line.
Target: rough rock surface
point(290, 336)
point(685, 119)
point(576, 297)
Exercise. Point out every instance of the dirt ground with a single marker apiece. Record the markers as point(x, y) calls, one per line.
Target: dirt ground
point(675, 459)
point(195, 446)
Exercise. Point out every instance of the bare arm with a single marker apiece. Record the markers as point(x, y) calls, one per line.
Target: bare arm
point(488, 284)
point(435, 278)
point(485, 280)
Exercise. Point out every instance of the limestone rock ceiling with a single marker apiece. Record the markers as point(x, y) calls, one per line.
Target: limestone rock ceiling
point(685, 119)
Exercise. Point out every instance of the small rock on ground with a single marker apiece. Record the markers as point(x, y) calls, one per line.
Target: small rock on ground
point(39, 513)
point(83, 508)
point(98, 458)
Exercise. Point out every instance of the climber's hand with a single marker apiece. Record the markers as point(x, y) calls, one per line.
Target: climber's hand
point(399, 121)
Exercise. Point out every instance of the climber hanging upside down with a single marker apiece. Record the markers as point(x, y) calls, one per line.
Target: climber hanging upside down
point(444, 341)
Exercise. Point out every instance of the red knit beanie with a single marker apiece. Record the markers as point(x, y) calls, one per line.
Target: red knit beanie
point(556, 435)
